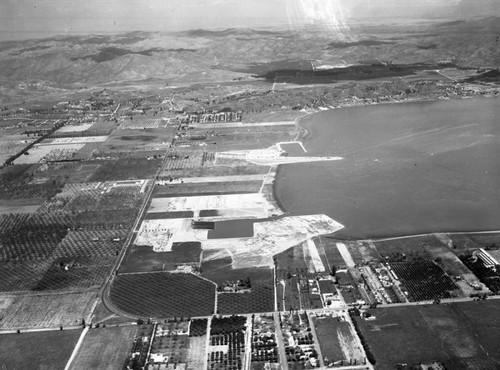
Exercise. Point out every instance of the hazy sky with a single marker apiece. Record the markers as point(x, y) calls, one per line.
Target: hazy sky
point(40, 18)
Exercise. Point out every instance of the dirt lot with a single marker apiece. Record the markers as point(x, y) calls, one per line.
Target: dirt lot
point(38, 351)
point(105, 348)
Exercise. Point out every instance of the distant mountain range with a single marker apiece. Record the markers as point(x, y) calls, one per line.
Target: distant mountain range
point(95, 59)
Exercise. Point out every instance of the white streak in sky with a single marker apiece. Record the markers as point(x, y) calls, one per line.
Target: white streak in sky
point(330, 14)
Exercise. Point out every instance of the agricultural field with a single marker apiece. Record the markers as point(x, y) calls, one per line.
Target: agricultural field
point(16, 182)
point(260, 298)
point(297, 276)
point(290, 262)
point(299, 341)
point(424, 280)
point(461, 335)
point(41, 153)
point(198, 327)
point(453, 266)
point(163, 295)
point(238, 138)
point(105, 348)
point(75, 273)
point(128, 140)
point(138, 355)
point(74, 128)
point(300, 291)
point(207, 188)
point(287, 293)
point(77, 172)
point(348, 287)
point(60, 170)
point(264, 344)
point(20, 205)
point(97, 198)
point(45, 311)
point(141, 258)
point(31, 236)
point(214, 171)
point(337, 340)
point(103, 126)
point(171, 343)
point(466, 243)
point(179, 160)
point(112, 219)
point(126, 169)
point(141, 123)
point(226, 349)
point(10, 145)
point(49, 350)
point(486, 240)
point(18, 276)
point(100, 243)
point(43, 251)
point(410, 247)
point(197, 352)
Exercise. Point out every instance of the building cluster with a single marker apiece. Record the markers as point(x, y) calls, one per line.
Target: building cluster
point(299, 341)
point(212, 117)
point(488, 260)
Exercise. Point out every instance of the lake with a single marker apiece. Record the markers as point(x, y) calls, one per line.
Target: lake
point(408, 168)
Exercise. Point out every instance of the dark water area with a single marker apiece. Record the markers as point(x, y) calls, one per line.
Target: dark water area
point(209, 213)
point(407, 169)
point(232, 229)
point(163, 215)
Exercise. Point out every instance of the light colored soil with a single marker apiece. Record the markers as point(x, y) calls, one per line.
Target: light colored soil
point(105, 348)
point(46, 311)
point(197, 352)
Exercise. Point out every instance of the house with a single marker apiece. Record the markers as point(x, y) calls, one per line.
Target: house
point(487, 259)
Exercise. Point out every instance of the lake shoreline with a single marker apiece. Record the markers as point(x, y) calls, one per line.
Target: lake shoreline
point(306, 133)
point(303, 133)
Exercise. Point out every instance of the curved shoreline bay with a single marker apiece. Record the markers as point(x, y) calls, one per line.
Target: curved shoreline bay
point(408, 168)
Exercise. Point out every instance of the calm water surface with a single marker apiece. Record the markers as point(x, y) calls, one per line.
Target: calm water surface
point(407, 168)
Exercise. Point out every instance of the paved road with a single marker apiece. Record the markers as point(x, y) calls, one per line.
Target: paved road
point(241, 124)
point(104, 292)
point(316, 342)
point(280, 341)
point(248, 344)
point(429, 234)
point(443, 301)
point(232, 178)
point(77, 347)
